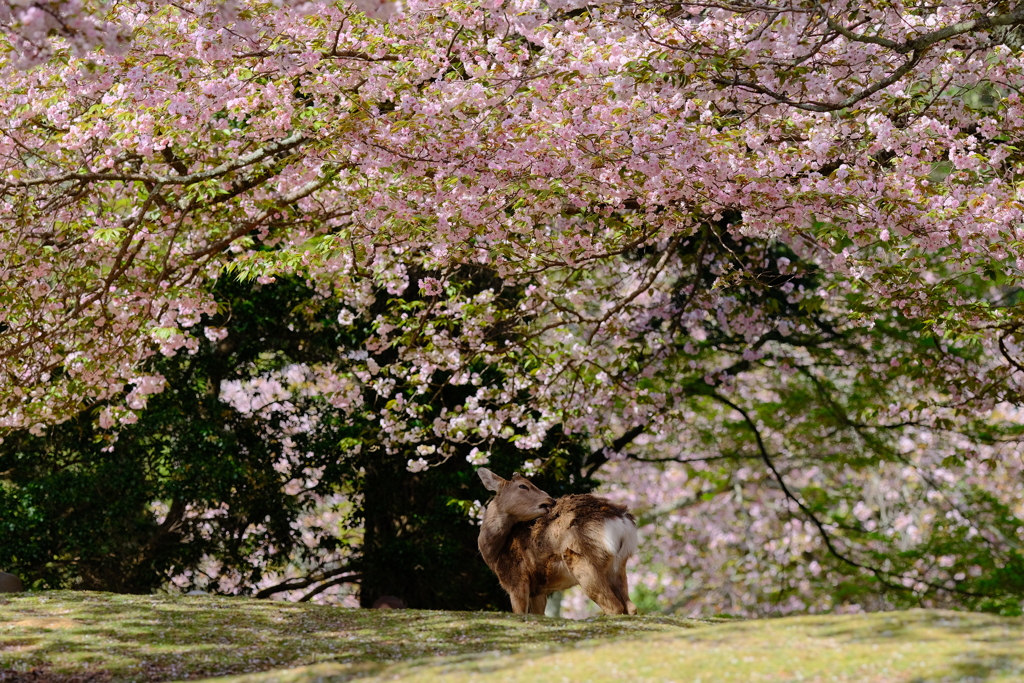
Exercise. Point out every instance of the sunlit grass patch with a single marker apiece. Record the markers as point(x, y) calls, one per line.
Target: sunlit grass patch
point(68, 637)
point(155, 638)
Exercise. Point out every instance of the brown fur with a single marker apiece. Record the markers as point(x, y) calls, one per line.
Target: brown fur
point(388, 602)
point(9, 583)
point(537, 545)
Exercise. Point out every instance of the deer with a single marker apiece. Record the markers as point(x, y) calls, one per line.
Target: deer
point(9, 583)
point(538, 545)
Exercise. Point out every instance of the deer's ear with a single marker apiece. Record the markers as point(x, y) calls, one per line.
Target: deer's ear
point(492, 482)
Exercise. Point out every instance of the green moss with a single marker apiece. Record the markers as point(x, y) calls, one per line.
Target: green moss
point(74, 636)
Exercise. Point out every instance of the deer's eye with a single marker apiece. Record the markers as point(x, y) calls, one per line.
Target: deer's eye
point(523, 486)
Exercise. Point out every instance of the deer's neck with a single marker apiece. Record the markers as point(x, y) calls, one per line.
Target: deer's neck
point(494, 532)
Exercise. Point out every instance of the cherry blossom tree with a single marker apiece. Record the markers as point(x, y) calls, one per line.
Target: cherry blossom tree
point(782, 233)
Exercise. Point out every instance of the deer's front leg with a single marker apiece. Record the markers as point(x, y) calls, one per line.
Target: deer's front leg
point(538, 603)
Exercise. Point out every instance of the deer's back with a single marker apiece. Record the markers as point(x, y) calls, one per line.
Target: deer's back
point(582, 522)
point(583, 509)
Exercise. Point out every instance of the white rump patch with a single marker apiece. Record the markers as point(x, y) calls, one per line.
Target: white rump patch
point(620, 538)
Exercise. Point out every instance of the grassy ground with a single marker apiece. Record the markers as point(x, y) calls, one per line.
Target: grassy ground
point(70, 637)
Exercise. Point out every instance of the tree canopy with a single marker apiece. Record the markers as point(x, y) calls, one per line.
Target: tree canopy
point(770, 249)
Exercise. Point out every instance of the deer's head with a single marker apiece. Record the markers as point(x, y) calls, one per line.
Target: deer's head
point(516, 497)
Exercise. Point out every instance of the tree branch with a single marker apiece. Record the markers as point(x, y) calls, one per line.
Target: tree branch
point(598, 458)
point(296, 583)
point(881, 575)
point(291, 142)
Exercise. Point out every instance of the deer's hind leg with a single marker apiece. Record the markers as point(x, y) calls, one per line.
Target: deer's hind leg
point(520, 598)
point(621, 586)
point(592, 573)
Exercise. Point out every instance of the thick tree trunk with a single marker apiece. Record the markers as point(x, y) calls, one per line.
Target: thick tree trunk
point(418, 548)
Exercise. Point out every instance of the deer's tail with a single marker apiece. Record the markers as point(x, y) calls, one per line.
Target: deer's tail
point(620, 537)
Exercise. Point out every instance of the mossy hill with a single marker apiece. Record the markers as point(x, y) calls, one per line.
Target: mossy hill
point(80, 637)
